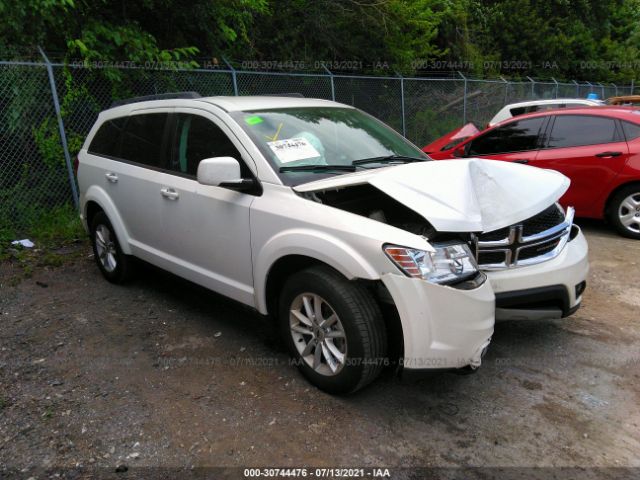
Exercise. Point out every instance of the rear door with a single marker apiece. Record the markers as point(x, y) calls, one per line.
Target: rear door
point(132, 151)
point(590, 150)
point(517, 141)
point(136, 188)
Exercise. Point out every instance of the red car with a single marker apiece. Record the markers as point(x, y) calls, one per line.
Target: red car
point(597, 148)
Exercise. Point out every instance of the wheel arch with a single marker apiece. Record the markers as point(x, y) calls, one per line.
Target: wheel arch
point(304, 247)
point(96, 200)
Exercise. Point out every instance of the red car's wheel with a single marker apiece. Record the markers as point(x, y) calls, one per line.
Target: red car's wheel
point(624, 211)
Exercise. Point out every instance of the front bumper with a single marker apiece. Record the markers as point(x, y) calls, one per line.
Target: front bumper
point(551, 289)
point(443, 327)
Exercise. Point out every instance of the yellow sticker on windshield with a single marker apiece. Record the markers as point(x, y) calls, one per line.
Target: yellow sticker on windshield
point(275, 137)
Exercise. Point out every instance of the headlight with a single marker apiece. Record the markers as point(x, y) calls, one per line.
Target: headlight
point(450, 263)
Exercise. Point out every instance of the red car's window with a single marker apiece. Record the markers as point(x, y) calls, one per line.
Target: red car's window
point(580, 130)
point(518, 136)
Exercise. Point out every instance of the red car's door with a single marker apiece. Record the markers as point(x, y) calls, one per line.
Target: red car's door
point(517, 141)
point(590, 150)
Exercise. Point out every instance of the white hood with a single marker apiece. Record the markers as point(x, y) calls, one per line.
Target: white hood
point(466, 195)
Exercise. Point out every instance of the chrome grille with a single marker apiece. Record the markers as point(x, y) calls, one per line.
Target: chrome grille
point(535, 240)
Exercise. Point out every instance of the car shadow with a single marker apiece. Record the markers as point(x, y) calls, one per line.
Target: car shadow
point(515, 344)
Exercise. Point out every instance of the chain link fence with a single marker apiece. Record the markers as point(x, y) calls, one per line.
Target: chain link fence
point(34, 173)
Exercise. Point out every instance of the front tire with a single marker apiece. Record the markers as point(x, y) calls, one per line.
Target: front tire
point(333, 328)
point(115, 266)
point(624, 211)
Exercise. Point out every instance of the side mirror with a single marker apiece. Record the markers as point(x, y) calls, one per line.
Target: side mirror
point(219, 170)
point(225, 172)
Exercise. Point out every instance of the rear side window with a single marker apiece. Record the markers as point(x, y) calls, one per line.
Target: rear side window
point(198, 138)
point(631, 130)
point(580, 130)
point(142, 139)
point(107, 139)
point(517, 136)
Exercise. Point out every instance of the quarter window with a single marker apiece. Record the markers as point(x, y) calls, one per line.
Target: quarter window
point(517, 136)
point(631, 130)
point(579, 130)
point(199, 138)
point(107, 139)
point(142, 139)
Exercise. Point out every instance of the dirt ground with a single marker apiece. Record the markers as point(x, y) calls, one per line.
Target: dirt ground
point(163, 373)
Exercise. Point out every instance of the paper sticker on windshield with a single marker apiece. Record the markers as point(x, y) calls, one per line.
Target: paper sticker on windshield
point(293, 149)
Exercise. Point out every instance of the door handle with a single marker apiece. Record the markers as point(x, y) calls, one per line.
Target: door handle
point(169, 193)
point(608, 154)
point(522, 160)
point(111, 177)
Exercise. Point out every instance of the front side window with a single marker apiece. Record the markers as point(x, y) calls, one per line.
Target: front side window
point(142, 139)
point(322, 137)
point(517, 136)
point(581, 130)
point(198, 138)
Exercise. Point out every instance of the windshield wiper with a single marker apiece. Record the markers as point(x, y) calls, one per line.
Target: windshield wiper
point(389, 159)
point(318, 168)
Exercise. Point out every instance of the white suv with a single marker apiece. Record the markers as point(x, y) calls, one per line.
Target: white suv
point(520, 108)
point(323, 217)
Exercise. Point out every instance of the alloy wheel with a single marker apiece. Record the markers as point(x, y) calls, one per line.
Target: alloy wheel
point(318, 334)
point(106, 248)
point(629, 213)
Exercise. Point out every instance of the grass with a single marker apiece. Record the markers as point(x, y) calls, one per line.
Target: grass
point(49, 230)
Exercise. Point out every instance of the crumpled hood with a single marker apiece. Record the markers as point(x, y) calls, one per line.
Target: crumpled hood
point(466, 195)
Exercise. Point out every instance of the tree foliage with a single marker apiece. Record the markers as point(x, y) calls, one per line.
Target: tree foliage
point(581, 39)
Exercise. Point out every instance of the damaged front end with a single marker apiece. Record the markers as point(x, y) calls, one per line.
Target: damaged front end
point(446, 306)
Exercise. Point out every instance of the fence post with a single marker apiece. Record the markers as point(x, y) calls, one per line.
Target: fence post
point(590, 86)
point(577, 88)
point(631, 87)
point(533, 87)
point(601, 89)
point(234, 77)
point(333, 87)
point(616, 88)
point(557, 87)
point(464, 100)
point(404, 124)
point(63, 135)
point(506, 89)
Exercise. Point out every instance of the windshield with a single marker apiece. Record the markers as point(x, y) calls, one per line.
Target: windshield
point(305, 144)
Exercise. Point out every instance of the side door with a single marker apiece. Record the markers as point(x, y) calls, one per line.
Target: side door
point(517, 141)
point(132, 173)
point(590, 150)
point(206, 230)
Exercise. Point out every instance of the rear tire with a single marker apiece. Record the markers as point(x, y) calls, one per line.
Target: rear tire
point(333, 328)
point(624, 211)
point(115, 266)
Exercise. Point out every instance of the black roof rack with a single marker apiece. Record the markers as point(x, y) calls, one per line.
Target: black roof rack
point(160, 96)
point(295, 95)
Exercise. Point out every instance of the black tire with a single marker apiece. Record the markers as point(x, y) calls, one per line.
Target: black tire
point(360, 317)
point(613, 213)
point(123, 263)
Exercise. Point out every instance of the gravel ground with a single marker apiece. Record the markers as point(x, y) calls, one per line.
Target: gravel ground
point(162, 373)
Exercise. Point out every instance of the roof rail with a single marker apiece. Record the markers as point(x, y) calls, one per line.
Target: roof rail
point(294, 95)
point(160, 96)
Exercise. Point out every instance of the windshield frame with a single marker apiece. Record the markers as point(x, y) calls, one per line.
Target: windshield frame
point(309, 176)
